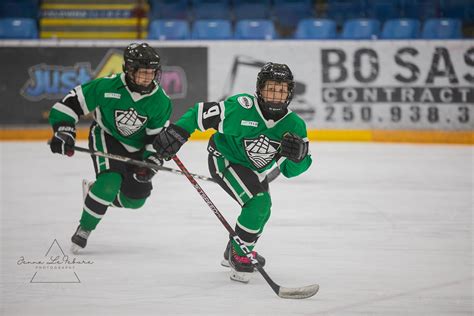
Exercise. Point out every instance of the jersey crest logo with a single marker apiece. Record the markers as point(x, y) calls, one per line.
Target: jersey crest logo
point(261, 150)
point(245, 102)
point(129, 121)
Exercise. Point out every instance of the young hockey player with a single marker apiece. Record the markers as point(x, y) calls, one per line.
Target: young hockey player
point(129, 110)
point(253, 132)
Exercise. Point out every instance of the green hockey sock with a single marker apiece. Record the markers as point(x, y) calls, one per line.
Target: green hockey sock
point(101, 195)
point(255, 213)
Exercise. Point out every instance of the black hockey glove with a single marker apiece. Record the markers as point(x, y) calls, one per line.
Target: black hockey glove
point(293, 147)
point(64, 139)
point(144, 174)
point(168, 142)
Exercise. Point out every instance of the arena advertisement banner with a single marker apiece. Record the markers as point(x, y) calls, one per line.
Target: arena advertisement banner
point(363, 85)
point(33, 78)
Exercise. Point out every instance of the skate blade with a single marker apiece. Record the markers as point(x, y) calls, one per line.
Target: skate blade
point(243, 277)
point(76, 249)
point(225, 263)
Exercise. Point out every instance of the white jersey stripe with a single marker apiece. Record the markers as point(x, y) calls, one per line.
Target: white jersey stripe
point(280, 161)
point(199, 116)
point(94, 145)
point(129, 148)
point(248, 230)
point(66, 110)
point(155, 131)
point(216, 165)
point(233, 191)
point(102, 136)
point(220, 127)
point(92, 213)
point(150, 148)
point(119, 199)
point(98, 199)
point(98, 119)
point(82, 99)
point(242, 185)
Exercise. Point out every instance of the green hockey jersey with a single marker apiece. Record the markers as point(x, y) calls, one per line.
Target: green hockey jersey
point(244, 136)
point(131, 118)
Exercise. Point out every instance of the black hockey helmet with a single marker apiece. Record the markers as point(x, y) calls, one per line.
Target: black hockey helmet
point(138, 56)
point(278, 73)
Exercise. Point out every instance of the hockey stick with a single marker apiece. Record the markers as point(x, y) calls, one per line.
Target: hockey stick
point(138, 162)
point(272, 175)
point(283, 292)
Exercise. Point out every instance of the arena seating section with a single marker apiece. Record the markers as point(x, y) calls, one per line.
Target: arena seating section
point(237, 19)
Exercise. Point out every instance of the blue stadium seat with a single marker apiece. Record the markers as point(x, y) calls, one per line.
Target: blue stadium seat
point(470, 15)
point(167, 9)
point(211, 10)
point(248, 10)
point(458, 9)
point(255, 29)
point(442, 29)
point(343, 10)
point(316, 29)
point(198, 2)
point(361, 29)
point(19, 9)
point(11, 28)
point(401, 29)
point(212, 29)
point(420, 9)
point(169, 30)
point(307, 3)
point(383, 10)
point(265, 2)
point(288, 14)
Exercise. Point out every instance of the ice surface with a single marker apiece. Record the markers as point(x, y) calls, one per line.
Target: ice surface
point(385, 229)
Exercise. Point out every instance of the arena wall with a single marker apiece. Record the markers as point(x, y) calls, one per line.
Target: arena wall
point(403, 91)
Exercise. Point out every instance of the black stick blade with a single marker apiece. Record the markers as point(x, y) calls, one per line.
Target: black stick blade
point(298, 292)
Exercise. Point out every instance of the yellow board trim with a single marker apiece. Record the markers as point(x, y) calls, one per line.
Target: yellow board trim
point(340, 135)
point(36, 134)
point(442, 137)
point(93, 35)
point(92, 22)
point(445, 137)
point(71, 6)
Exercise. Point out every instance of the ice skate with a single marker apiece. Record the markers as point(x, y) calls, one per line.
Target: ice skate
point(79, 239)
point(225, 261)
point(241, 268)
point(86, 186)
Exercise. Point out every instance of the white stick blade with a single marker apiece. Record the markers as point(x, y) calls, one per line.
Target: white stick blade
point(298, 292)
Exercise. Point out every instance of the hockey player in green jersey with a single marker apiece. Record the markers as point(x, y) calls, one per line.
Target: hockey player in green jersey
point(129, 110)
point(252, 134)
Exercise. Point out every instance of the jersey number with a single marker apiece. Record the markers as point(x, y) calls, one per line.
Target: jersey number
point(213, 111)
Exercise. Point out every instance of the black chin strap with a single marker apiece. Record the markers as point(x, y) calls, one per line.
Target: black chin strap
point(138, 88)
point(272, 115)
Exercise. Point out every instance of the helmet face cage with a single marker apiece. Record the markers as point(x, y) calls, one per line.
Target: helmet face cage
point(137, 56)
point(278, 73)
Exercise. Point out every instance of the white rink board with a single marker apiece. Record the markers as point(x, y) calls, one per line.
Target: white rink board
point(395, 85)
point(384, 229)
point(424, 85)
